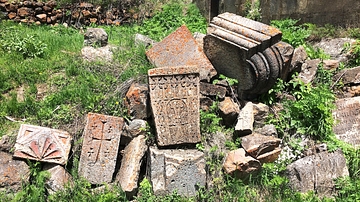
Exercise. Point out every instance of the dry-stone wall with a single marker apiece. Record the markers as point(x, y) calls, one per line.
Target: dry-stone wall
point(50, 12)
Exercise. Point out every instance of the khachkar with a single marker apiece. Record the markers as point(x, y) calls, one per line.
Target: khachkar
point(100, 147)
point(249, 51)
point(174, 96)
point(42, 144)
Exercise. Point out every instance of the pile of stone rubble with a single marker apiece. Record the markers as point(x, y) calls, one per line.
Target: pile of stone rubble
point(178, 87)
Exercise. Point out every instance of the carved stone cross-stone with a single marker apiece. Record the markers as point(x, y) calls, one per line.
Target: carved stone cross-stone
point(100, 147)
point(42, 144)
point(174, 95)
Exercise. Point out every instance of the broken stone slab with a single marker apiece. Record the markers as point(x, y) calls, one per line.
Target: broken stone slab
point(308, 70)
point(12, 172)
point(42, 144)
point(59, 178)
point(92, 54)
point(179, 49)
point(211, 90)
point(349, 76)
point(335, 47)
point(347, 119)
point(229, 111)
point(96, 37)
point(100, 147)
point(180, 170)
point(129, 172)
point(240, 165)
point(317, 172)
point(137, 101)
point(267, 130)
point(298, 59)
point(7, 142)
point(261, 113)
point(245, 121)
point(174, 96)
point(263, 148)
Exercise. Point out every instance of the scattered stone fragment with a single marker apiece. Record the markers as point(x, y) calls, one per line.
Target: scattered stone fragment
point(347, 116)
point(135, 128)
point(12, 172)
point(264, 148)
point(129, 172)
point(144, 40)
point(330, 64)
point(229, 111)
point(96, 37)
point(199, 38)
point(349, 76)
point(92, 54)
point(7, 143)
point(42, 144)
point(180, 170)
point(100, 147)
point(298, 59)
point(261, 112)
point(238, 164)
point(136, 101)
point(211, 90)
point(335, 47)
point(174, 95)
point(317, 172)
point(59, 177)
point(308, 70)
point(179, 49)
point(244, 125)
point(267, 130)
point(205, 103)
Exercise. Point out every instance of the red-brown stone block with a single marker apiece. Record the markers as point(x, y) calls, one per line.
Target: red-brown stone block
point(42, 144)
point(100, 147)
point(179, 49)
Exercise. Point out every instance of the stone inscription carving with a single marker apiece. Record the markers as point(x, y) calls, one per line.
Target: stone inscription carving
point(42, 144)
point(174, 94)
point(347, 119)
point(100, 147)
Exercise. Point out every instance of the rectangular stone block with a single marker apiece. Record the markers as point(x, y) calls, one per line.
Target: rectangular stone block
point(245, 122)
point(42, 144)
point(179, 49)
point(175, 102)
point(100, 147)
point(347, 119)
point(180, 170)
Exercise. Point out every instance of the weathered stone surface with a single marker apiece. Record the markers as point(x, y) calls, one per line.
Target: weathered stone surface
point(24, 11)
point(261, 112)
point(205, 103)
point(347, 119)
point(268, 130)
point(308, 70)
point(349, 76)
point(199, 38)
point(12, 172)
point(238, 164)
point(135, 128)
point(229, 111)
point(100, 147)
point(59, 177)
point(144, 40)
point(136, 101)
point(330, 64)
point(298, 59)
point(174, 95)
point(179, 49)
point(317, 172)
point(249, 50)
point(95, 37)
point(41, 17)
point(245, 122)
point(335, 47)
point(180, 170)
point(7, 143)
point(211, 90)
point(264, 148)
point(129, 172)
point(42, 144)
point(92, 54)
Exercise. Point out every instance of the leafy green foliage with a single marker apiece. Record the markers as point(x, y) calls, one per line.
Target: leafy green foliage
point(229, 80)
point(210, 120)
point(293, 34)
point(354, 53)
point(315, 53)
point(171, 17)
point(253, 10)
